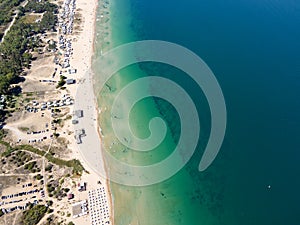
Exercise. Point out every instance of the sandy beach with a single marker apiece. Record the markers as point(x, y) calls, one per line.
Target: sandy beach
point(89, 151)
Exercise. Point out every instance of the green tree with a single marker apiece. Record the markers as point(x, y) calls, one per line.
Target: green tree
point(27, 57)
point(34, 215)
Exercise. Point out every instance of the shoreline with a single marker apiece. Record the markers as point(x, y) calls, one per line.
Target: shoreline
point(84, 51)
point(97, 111)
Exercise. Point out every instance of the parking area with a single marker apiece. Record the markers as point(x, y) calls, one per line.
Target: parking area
point(36, 106)
point(19, 197)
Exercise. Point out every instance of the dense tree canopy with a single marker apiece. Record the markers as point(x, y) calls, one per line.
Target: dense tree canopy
point(7, 7)
point(34, 215)
point(13, 56)
point(21, 40)
point(48, 21)
point(40, 7)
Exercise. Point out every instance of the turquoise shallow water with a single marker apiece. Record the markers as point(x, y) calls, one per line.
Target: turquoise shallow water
point(253, 49)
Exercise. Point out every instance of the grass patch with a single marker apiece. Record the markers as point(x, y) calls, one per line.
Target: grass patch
point(28, 94)
point(68, 117)
point(30, 19)
point(24, 129)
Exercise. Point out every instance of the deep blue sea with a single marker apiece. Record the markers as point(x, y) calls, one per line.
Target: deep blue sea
point(253, 48)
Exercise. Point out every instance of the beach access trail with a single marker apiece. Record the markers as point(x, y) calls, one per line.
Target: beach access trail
point(13, 21)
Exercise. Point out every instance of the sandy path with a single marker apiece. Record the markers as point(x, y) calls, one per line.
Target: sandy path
point(44, 171)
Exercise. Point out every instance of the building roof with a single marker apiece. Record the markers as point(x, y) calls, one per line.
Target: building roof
point(78, 113)
point(71, 81)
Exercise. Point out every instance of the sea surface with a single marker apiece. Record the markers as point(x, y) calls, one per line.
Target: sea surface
point(253, 49)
